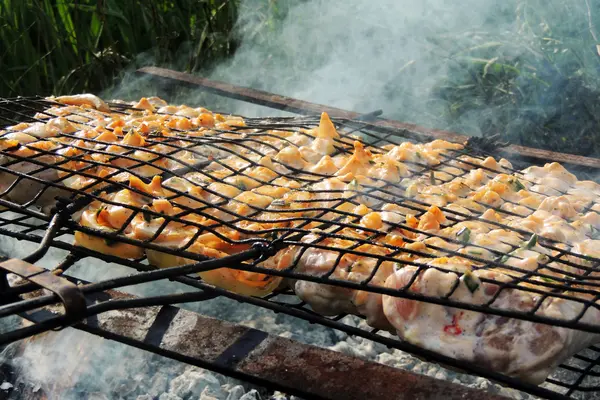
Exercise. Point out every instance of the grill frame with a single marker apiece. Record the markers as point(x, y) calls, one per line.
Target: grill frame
point(290, 236)
point(256, 252)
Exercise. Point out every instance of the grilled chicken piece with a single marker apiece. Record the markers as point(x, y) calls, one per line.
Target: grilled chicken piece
point(529, 351)
point(345, 196)
point(83, 99)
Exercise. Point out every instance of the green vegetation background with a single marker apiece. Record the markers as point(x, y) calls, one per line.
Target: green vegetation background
point(537, 84)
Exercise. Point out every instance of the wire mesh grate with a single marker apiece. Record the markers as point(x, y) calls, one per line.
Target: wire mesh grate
point(339, 209)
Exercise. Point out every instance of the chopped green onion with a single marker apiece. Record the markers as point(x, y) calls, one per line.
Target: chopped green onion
point(464, 235)
point(352, 266)
point(99, 211)
point(278, 202)
point(470, 282)
point(531, 242)
point(517, 185)
point(419, 155)
point(504, 258)
point(595, 233)
point(548, 280)
point(241, 185)
point(476, 252)
point(371, 162)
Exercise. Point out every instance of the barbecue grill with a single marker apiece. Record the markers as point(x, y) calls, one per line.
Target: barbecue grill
point(250, 354)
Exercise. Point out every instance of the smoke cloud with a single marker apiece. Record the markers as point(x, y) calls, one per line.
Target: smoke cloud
point(358, 55)
point(406, 57)
point(525, 68)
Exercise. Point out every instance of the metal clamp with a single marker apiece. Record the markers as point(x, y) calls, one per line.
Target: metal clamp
point(69, 294)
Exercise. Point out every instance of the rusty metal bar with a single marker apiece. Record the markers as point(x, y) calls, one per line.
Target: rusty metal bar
point(290, 104)
point(255, 356)
point(71, 297)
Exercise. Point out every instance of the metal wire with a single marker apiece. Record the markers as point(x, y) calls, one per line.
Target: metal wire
point(230, 155)
point(572, 374)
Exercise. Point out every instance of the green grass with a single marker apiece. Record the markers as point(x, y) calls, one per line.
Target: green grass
point(68, 46)
point(536, 83)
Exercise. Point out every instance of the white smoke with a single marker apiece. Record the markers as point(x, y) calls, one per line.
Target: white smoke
point(358, 55)
point(354, 54)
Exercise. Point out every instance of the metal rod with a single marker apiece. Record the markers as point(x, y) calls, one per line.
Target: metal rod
point(228, 142)
point(302, 107)
point(151, 276)
point(53, 227)
point(221, 366)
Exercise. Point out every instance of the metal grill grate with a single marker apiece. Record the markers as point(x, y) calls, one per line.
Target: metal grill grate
point(321, 218)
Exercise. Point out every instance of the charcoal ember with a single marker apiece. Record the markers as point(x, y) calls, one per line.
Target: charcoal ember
point(235, 393)
point(193, 383)
point(127, 388)
point(97, 396)
point(280, 396)
point(169, 396)
point(251, 395)
point(207, 394)
point(158, 384)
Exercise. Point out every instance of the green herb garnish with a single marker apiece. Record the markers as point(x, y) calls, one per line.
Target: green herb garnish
point(531, 242)
point(278, 202)
point(464, 235)
point(351, 266)
point(241, 185)
point(517, 185)
point(431, 178)
point(476, 252)
point(548, 280)
point(110, 242)
point(99, 211)
point(419, 154)
point(371, 162)
point(504, 258)
point(594, 233)
point(470, 282)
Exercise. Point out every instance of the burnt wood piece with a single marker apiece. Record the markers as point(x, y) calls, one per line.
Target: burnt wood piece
point(169, 77)
point(255, 356)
